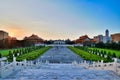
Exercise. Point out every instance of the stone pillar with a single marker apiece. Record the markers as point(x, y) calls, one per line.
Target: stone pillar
point(31, 63)
point(115, 64)
point(14, 61)
point(101, 65)
point(25, 63)
point(74, 63)
point(94, 64)
point(85, 63)
point(47, 62)
point(0, 69)
point(7, 62)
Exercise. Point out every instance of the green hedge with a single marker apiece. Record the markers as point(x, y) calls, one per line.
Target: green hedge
point(33, 55)
point(87, 56)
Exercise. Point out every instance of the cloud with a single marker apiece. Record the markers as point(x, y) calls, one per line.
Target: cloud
point(14, 30)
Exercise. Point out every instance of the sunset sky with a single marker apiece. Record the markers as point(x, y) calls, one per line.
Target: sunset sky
point(59, 19)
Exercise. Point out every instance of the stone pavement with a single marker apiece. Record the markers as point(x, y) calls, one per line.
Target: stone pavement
point(59, 55)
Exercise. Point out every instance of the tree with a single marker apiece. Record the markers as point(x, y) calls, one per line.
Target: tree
point(15, 53)
point(109, 54)
point(101, 51)
point(104, 53)
point(119, 57)
point(10, 55)
point(99, 45)
point(108, 57)
point(0, 55)
point(114, 55)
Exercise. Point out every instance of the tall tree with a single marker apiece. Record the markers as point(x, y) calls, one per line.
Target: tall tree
point(0, 55)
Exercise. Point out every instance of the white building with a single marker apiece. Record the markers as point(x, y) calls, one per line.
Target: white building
point(104, 39)
point(59, 42)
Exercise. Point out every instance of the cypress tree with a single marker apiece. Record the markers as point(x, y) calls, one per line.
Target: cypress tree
point(114, 55)
point(0, 55)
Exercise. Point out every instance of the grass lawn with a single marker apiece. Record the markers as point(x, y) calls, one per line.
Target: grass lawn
point(33, 55)
point(6, 51)
point(87, 56)
point(108, 50)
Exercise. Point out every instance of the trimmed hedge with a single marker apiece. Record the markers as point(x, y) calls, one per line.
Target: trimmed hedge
point(33, 55)
point(87, 56)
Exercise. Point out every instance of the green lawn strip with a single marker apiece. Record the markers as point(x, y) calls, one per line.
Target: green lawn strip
point(33, 55)
point(87, 56)
point(6, 51)
point(108, 50)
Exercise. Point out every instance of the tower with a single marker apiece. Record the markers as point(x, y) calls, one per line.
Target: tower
point(107, 33)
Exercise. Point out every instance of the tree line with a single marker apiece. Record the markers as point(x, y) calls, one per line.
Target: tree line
point(112, 45)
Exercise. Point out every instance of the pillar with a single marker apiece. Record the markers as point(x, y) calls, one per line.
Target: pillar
point(94, 64)
point(25, 63)
point(14, 61)
point(101, 65)
point(0, 69)
point(115, 64)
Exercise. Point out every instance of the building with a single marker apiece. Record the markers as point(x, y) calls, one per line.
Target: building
point(3, 39)
point(82, 39)
point(33, 40)
point(107, 37)
point(85, 40)
point(98, 38)
point(104, 39)
point(115, 37)
point(59, 42)
point(3, 35)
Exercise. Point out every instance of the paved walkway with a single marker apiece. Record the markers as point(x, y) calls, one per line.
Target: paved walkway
point(59, 55)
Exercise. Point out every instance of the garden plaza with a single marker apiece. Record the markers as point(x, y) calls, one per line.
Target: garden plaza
point(58, 63)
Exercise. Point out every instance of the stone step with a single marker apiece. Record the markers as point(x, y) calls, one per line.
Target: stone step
point(63, 72)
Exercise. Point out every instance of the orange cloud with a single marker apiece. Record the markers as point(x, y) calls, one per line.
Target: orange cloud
point(15, 30)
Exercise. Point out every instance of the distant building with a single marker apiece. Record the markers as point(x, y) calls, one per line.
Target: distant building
point(104, 39)
point(3, 39)
point(98, 38)
point(107, 37)
point(115, 37)
point(33, 40)
point(59, 42)
point(85, 40)
point(3, 35)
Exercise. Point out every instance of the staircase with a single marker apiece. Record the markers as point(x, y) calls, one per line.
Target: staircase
point(62, 72)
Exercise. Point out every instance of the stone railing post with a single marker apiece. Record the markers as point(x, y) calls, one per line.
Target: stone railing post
point(94, 64)
point(25, 63)
point(115, 64)
point(85, 64)
point(14, 62)
point(74, 63)
point(101, 65)
point(47, 62)
point(0, 70)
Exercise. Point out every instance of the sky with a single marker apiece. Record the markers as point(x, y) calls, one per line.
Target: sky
point(59, 19)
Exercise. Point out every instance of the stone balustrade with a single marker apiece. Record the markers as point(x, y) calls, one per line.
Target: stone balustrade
point(9, 68)
point(113, 66)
